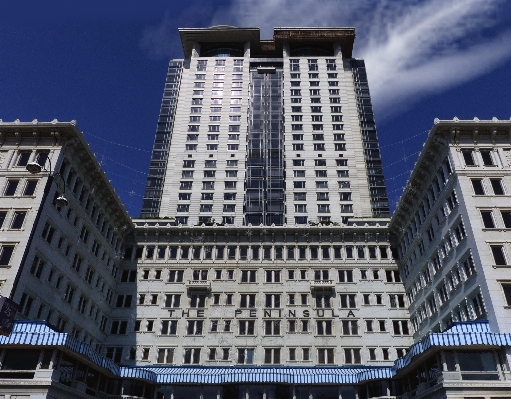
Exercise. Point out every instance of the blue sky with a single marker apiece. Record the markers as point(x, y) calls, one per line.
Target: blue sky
point(104, 64)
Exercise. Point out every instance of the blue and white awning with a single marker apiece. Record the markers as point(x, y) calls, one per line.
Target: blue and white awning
point(461, 334)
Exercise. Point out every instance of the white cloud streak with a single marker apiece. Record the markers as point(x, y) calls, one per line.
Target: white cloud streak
point(412, 48)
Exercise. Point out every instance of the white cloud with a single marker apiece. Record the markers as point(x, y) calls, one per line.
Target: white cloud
point(412, 48)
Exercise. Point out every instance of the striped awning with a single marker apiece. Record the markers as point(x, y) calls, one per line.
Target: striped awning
point(461, 334)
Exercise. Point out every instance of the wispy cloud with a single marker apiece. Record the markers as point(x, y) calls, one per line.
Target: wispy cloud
point(430, 48)
point(412, 48)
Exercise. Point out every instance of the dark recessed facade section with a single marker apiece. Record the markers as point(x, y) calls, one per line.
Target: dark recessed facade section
point(311, 49)
point(221, 49)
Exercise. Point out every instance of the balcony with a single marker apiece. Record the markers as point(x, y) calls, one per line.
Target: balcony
point(322, 285)
point(198, 285)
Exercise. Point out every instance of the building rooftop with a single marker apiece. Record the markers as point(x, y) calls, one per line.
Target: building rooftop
point(230, 34)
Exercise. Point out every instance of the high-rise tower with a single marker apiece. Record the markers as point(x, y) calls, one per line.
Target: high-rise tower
point(266, 131)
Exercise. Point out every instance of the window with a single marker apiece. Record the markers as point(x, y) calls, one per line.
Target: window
point(348, 301)
point(175, 276)
point(191, 356)
point(487, 219)
point(272, 355)
point(194, 327)
point(326, 355)
point(197, 301)
point(487, 158)
point(272, 300)
point(272, 327)
point(165, 356)
point(208, 185)
point(323, 301)
point(272, 276)
point(478, 305)
point(498, 255)
point(229, 208)
point(506, 218)
point(296, 109)
point(172, 300)
point(23, 158)
point(497, 186)
point(400, 327)
point(477, 185)
point(245, 356)
point(246, 327)
point(119, 327)
point(49, 231)
point(352, 356)
point(37, 267)
point(323, 208)
point(324, 327)
point(345, 276)
point(349, 327)
point(469, 267)
point(29, 188)
point(10, 188)
point(468, 157)
point(169, 327)
point(301, 208)
point(301, 220)
point(18, 219)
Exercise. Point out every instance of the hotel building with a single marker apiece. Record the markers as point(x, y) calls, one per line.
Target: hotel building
point(265, 262)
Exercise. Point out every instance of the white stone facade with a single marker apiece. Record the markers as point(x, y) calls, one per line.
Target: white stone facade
point(453, 227)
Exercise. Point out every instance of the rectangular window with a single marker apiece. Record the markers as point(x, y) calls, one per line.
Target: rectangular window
point(29, 189)
point(348, 301)
point(191, 356)
point(345, 276)
point(245, 356)
point(468, 157)
point(272, 327)
point(18, 219)
point(172, 300)
point(506, 218)
point(349, 327)
point(272, 355)
point(247, 300)
point(326, 356)
point(10, 188)
point(272, 300)
point(487, 219)
point(497, 186)
point(294, 65)
point(165, 356)
point(400, 327)
point(498, 255)
point(324, 327)
point(487, 158)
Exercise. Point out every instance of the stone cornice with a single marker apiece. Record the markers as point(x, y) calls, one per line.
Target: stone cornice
point(444, 134)
point(68, 136)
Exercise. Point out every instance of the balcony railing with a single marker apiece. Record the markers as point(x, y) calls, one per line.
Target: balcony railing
point(322, 285)
point(198, 285)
